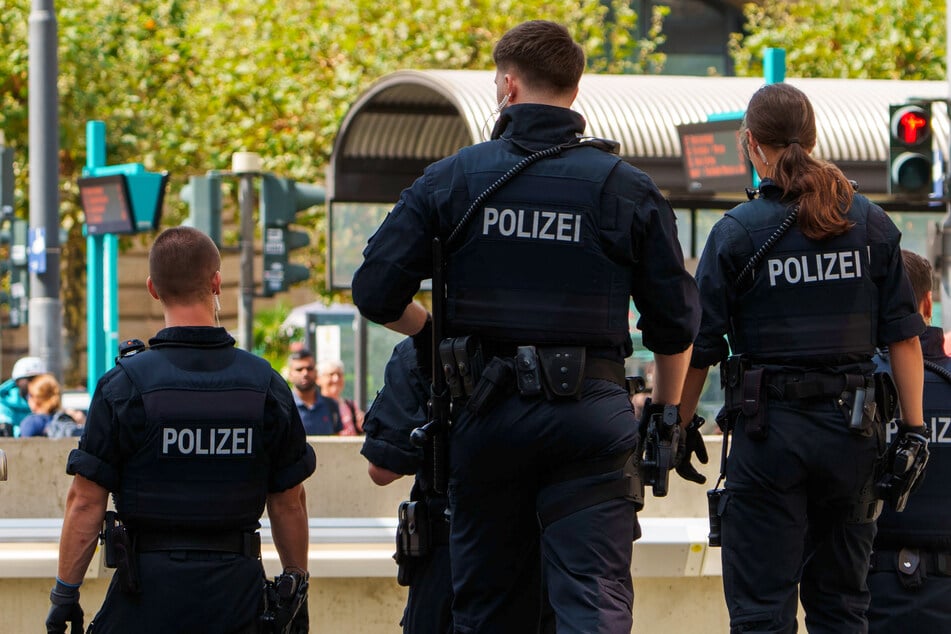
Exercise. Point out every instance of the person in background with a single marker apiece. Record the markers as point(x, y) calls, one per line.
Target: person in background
point(330, 380)
point(48, 418)
point(13, 394)
point(319, 414)
point(910, 573)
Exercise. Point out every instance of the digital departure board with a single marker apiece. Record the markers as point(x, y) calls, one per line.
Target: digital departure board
point(106, 204)
point(713, 160)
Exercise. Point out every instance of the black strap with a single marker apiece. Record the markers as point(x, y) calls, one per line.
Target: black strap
point(937, 563)
point(788, 222)
point(242, 543)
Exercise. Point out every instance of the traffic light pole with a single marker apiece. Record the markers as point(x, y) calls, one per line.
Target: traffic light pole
point(45, 306)
point(247, 165)
point(246, 306)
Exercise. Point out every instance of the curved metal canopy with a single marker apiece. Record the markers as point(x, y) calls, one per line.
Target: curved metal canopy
point(411, 118)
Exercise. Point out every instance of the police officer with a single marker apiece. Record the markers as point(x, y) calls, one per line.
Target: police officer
point(400, 407)
point(802, 322)
point(910, 575)
point(542, 269)
point(193, 438)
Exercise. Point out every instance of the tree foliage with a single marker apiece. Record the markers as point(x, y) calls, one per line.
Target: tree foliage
point(848, 39)
point(183, 84)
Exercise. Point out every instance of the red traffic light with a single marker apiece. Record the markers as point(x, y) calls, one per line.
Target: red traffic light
point(911, 125)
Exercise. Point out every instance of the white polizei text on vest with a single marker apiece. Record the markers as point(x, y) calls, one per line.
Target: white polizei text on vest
point(221, 441)
point(815, 267)
point(561, 226)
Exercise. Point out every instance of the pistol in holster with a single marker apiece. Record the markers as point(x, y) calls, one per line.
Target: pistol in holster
point(285, 604)
point(660, 437)
point(119, 552)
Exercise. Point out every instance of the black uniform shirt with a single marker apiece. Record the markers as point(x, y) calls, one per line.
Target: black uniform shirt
point(113, 429)
point(643, 239)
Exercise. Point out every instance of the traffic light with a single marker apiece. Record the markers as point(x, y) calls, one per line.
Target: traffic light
point(203, 195)
point(281, 200)
point(910, 153)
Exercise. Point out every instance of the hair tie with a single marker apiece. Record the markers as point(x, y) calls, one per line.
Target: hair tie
point(792, 140)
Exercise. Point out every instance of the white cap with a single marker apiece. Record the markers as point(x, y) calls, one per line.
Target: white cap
point(28, 367)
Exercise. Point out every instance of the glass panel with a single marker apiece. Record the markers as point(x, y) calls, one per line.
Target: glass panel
point(351, 225)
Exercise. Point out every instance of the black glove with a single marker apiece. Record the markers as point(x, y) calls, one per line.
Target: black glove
point(423, 342)
point(65, 609)
point(691, 442)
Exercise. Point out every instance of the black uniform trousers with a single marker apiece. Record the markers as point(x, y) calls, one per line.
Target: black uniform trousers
point(188, 592)
point(899, 610)
point(501, 465)
point(784, 522)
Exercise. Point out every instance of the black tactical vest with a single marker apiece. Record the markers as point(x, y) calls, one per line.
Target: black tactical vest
point(200, 462)
point(926, 521)
point(530, 267)
point(810, 302)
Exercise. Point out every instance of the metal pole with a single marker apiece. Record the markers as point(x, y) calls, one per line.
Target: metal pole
point(945, 261)
point(360, 368)
point(45, 306)
point(246, 306)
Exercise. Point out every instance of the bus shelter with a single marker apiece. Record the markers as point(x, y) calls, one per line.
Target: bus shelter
point(409, 119)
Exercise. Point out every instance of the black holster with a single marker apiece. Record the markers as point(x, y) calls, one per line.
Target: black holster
point(120, 553)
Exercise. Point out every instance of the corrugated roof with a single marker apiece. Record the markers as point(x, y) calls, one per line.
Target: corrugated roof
point(410, 118)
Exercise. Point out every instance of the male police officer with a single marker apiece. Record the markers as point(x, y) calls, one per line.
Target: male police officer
point(544, 271)
point(192, 437)
point(910, 577)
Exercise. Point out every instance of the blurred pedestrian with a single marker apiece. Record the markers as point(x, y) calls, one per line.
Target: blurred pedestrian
point(330, 380)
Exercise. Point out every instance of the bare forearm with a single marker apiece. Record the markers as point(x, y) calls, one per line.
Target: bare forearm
point(669, 375)
point(411, 321)
point(85, 509)
point(381, 476)
point(693, 387)
point(287, 511)
point(908, 371)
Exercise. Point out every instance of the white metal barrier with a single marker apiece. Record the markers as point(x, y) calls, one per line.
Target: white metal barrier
point(363, 548)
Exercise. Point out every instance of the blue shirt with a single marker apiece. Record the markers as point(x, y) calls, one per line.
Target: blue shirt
point(323, 419)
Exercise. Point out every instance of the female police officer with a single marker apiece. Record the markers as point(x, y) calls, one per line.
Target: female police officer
point(824, 288)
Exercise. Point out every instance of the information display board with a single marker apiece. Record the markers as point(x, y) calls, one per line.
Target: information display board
point(105, 202)
point(713, 160)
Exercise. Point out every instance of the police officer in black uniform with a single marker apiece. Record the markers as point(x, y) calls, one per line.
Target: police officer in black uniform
point(910, 576)
point(400, 407)
point(826, 285)
point(193, 438)
point(542, 269)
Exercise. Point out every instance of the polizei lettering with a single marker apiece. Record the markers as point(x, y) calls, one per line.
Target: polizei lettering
point(940, 430)
point(815, 267)
point(207, 441)
point(560, 226)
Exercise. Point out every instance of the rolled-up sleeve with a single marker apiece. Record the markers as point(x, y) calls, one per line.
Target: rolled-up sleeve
point(292, 459)
point(398, 256)
point(714, 273)
point(398, 408)
point(898, 317)
point(663, 290)
point(97, 457)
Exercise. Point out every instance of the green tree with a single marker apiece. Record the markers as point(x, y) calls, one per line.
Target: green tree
point(183, 84)
point(848, 39)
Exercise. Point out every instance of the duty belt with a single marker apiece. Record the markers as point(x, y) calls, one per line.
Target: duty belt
point(595, 367)
point(241, 543)
point(807, 385)
point(934, 562)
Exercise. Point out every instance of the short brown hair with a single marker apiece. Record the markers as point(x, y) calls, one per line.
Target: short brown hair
point(543, 53)
point(919, 271)
point(182, 262)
